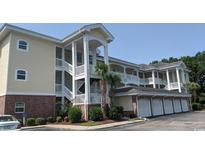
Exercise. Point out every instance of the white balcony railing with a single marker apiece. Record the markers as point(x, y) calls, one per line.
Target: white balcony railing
point(59, 89)
point(68, 67)
point(132, 79)
point(59, 62)
point(92, 70)
point(79, 99)
point(68, 93)
point(80, 70)
point(95, 98)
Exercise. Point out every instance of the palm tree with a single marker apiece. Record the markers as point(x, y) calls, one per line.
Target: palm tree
point(193, 87)
point(113, 81)
point(102, 71)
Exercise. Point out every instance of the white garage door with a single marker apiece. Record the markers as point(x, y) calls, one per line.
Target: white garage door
point(168, 108)
point(157, 107)
point(144, 108)
point(177, 106)
point(185, 105)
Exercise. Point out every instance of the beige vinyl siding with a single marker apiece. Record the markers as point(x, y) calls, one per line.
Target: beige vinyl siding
point(96, 33)
point(39, 62)
point(4, 58)
point(124, 101)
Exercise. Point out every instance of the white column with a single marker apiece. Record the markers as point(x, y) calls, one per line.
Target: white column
point(106, 54)
point(87, 77)
point(106, 60)
point(158, 83)
point(168, 80)
point(144, 79)
point(153, 79)
point(178, 80)
point(74, 61)
point(138, 81)
point(63, 77)
point(125, 75)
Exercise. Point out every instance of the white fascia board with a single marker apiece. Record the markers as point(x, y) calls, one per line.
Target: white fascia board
point(7, 28)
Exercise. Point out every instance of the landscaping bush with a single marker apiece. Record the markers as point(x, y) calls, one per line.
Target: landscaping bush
point(50, 120)
point(40, 121)
point(66, 119)
point(59, 119)
point(21, 121)
point(196, 106)
point(95, 114)
point(31, 122)
point(74, 114)
point(202, 100)
point(116, 113)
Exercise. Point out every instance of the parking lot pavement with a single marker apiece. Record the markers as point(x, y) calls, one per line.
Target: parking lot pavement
point(191, 121)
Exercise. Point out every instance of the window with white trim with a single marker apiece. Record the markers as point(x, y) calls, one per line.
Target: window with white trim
point(19, 107)
point(21, 75)
point(22, 45)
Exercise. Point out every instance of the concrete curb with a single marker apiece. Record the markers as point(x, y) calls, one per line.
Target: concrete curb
point(32, 127)
point(87, 128)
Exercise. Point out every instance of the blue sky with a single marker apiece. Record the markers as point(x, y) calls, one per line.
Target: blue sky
point(140, 43)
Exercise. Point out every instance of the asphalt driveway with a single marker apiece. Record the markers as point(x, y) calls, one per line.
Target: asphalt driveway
point(191, 121)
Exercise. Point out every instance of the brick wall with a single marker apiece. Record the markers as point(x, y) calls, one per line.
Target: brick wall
point(35, 106)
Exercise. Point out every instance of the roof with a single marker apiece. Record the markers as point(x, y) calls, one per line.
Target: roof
point(161, 66)
point(144, 91)
point(88, 28)
point(147, 67)
point(8, 27)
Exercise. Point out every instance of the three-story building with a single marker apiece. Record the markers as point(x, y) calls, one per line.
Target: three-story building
point(38, 71)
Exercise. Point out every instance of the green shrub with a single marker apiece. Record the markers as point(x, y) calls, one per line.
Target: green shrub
point(116, 113)
point(74, 114)
point(196, 106)
point(59, 119)
point(31, 122)
point(21, 121)
point(95, 114)
point(66, 119)
point(40, 121)
point(50, 120)
point(202, 100)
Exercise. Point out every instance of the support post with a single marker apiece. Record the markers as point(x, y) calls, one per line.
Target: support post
point(74, 60)
point(168, 80)
point(134, 105)
point(63, 78)
point(87, 77)
point(181, 104)
point(163, 105)
point(178, 80)
point(151, 106)
point(173, 104)
point(153, 79)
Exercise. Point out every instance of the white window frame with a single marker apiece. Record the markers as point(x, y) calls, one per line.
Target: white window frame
point(27, 49)
point(26, 74)
point(23, 107)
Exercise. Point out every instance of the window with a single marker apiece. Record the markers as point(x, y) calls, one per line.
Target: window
point(21, 75)
point(90, 59)
point(22, 45)
point(20, 107)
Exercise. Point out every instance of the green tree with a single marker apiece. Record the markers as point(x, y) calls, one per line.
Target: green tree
point(113, 80)
point(193, 88)
point(102, 71)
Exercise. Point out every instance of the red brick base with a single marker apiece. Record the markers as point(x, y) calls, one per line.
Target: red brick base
point(35, 106)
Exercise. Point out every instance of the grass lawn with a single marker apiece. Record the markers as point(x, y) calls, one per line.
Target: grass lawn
point(95, 123)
